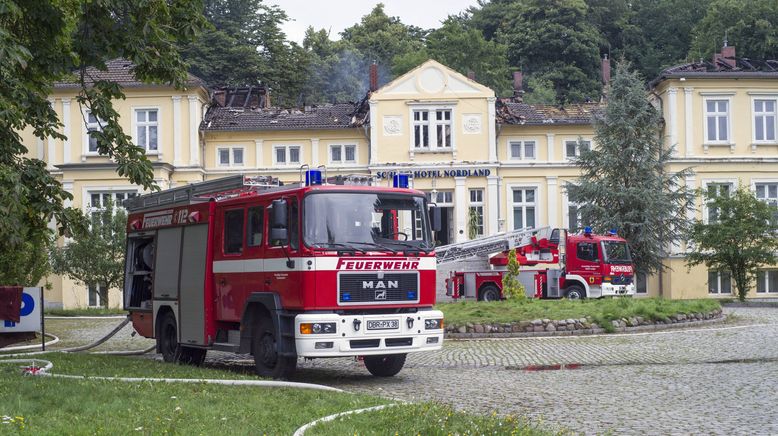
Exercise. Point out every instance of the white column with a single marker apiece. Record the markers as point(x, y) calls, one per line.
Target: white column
point(315, 152)
point(258, 150)
point(492, 130)
point(176, 130)
point(194, 122)
point(672, 114)
point(50, 156)
point(688, 139)
point(551, 209)
point(66, 130)
point(373, 132)
point(550, 146)
point(67, 185)
point(460, 209)
point(691, 184)
point(492, 204)
point(41, 149)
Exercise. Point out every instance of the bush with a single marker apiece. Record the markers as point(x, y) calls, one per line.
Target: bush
point(511, 288)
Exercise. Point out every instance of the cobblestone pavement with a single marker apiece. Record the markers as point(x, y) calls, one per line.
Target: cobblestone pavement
point(718, 379)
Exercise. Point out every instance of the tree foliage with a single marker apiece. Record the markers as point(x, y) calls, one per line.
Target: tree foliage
point(45, 42)
point(740, 240)
point(95, 256)
point(748, 24)
point(624, 182)
point(512, 289)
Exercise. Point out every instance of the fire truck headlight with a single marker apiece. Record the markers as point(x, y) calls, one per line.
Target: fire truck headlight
point(315, 328)
point(433, 324)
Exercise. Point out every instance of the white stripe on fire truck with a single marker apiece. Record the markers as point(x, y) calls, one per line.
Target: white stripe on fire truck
point(301, 264)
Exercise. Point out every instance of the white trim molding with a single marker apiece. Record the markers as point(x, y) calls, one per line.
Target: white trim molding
point(688, 123)
point(176, 130)
point(194, 129)
point(492, 121)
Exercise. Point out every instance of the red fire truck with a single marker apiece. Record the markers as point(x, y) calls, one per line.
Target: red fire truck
point(592, 266)
point(323, 268)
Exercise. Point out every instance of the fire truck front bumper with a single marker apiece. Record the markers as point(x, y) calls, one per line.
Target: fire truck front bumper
point(333, 335)
point(611, 290)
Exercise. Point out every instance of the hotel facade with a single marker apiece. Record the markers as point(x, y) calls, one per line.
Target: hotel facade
point(506, 161)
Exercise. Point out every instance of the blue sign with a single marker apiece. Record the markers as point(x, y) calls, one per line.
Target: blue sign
point(30, 313)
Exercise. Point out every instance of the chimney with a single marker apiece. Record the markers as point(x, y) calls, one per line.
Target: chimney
point(267, 97)
point(373, 77)
point(606, 70)
point(471, 75)
point(728, 55)
point(219, 97)
point(518, 90)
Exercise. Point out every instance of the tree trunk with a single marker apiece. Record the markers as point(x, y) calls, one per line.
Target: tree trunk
point(104, 296)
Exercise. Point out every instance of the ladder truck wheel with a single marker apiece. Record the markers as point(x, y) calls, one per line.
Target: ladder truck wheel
point(268, 362)
point(575, 292)
point(386, 365)
point(489, 293)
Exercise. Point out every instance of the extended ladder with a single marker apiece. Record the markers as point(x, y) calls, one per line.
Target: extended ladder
point(490, 244)
point(187, 194)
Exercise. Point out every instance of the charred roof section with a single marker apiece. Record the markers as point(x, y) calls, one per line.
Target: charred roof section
point(120, 71)
point(248, 109)
point(724, 64)
point(510, 111)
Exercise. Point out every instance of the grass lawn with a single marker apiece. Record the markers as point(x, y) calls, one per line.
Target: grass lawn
point(49, 405)
point(87, 311)
point(601, 311)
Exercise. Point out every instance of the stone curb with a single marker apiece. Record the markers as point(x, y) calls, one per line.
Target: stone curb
point(591, 331)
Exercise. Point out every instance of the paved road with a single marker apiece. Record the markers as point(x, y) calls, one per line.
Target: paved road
point(712, 380)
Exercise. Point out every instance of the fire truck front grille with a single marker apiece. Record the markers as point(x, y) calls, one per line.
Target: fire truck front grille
point(378, 288)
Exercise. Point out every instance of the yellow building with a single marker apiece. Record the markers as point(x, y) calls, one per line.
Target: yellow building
point(506, 160)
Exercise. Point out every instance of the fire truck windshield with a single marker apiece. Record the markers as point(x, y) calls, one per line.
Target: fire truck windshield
point(616, 252)
point(366, 221)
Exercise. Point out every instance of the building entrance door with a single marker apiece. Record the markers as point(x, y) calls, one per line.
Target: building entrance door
point(444, 236)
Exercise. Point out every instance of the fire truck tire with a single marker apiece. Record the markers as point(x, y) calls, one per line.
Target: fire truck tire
point(266, 358)
point(172, 351)
point(191, 356)
point(386, 365)
point(489, 293)
point(575, 292)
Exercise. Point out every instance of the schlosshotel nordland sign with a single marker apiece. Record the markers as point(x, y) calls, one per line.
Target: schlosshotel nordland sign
point(428, 174)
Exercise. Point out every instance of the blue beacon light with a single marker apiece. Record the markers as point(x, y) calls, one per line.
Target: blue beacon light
point(312, 177)
point(400, 181)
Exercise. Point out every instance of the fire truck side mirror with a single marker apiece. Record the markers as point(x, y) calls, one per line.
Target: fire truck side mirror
point(437, 219)
point(278, 222)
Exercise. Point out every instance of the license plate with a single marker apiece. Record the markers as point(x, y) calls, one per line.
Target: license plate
point(383, 324)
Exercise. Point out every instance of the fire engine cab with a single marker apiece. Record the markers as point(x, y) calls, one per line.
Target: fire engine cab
point(322, 268)
point(554, 265)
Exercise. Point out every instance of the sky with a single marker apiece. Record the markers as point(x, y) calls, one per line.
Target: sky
point(336, 15)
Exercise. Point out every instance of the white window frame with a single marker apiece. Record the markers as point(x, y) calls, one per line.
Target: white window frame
point(719, 291)
point(136, 124)
point(476, 204)
point(442, 203)
point(717, 97)
point(522, 150)
point(86, 126)
point(433, 131)
point(97, 296)
point(768, 272)
point(87, 191)
point(767, 199)
point(231, 156)
point(733, 184)
point(577, 147)
point(539, 194)
point(342, 160)
point(287, 154)
point(754, 114)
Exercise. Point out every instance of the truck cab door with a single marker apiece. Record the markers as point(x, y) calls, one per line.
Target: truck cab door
point(587, 264)
point(282, 265)
point(254, 277)
point(229, 263)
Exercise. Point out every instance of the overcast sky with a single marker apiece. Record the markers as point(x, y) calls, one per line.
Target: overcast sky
point(336, 15)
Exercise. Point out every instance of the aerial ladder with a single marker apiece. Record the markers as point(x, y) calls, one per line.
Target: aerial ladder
point(499, 243)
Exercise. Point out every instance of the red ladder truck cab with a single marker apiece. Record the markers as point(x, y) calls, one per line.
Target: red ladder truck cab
point(304, 270)
point(556, 265)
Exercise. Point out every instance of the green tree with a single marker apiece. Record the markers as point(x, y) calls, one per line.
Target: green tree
point(748, 24)
point(463, 49)
point(554, 38)
point(512, 289)
point(740, 240)
point(539, 91)
point(45, 42)
point(624, 182)
point(336, 72)
point(95, 256)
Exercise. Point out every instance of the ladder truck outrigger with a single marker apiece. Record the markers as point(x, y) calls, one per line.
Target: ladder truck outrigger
point(554, 265)
point(324, 268)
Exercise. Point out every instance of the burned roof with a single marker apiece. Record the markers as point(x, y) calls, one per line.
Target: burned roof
point(121, 72)
point(510, 111)
point(248, 109)
point(722, 67)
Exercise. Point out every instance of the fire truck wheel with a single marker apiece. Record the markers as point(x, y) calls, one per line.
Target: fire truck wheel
point(266, 359)
point(167, 338)
point(575, 292)
point(489, 293)
point(386, 365)
point(191, 356)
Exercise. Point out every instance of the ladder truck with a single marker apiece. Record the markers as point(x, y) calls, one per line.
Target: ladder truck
point(322, 268)
point(554, 265)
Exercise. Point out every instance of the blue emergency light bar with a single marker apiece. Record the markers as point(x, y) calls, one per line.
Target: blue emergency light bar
point(400, 181)
point(312, 177)
point(587, 230)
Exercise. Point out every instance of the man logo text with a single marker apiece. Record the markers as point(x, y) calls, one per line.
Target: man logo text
point(378, 284)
